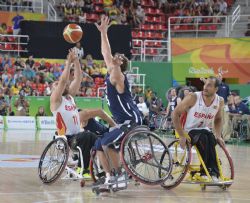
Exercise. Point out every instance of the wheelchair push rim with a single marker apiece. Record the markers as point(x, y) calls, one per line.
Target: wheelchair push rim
point(178, 161)
point(136, 153)
point(53, 160)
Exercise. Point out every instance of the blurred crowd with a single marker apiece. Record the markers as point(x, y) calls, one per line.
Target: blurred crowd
point(133, 12)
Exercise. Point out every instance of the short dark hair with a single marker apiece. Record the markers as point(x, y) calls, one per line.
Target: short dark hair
point(125, 61)
point(216, 81)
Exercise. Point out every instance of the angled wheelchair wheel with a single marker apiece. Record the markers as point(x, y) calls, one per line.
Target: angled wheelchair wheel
point(53, 160)
point(141, 152)
point(181, 159)
point(96, 171)
point(225, 165)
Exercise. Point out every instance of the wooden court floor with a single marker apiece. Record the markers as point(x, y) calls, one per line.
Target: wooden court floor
point(19, 183)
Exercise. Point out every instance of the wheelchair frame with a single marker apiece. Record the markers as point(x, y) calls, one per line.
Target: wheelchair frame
point(192, 170)
point(71, 174)
point(128, 169)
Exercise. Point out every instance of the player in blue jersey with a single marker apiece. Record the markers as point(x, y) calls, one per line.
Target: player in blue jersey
point(120, 102)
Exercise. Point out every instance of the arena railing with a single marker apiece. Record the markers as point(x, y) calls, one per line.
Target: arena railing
point(14, 43)
point(145, 50)
point(137, 47)
point(52, 14)
point(36, 6)
point(157, 50)
point(136, 80)
point(234, 18)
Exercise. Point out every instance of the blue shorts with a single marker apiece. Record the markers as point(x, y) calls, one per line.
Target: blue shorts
point(108, 138)
point(96, 127)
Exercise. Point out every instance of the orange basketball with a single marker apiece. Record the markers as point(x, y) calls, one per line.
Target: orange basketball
point(72, 33)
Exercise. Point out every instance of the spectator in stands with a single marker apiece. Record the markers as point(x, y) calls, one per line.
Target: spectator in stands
point(95, 71)
point(10, 69)
point(113, 15)
point(155, 105)
point(41, 67)
point(142, 106)
point(18, 63)
point(88, 6)
point(27, 89)
point(172, 102)
point(9, 81)
point(41, 111)
point(3, 104)
point(103, 69)
point(49, 76)
point(223, 89)
point(89, 61)
point(3, 29)
point(48, 89)
point(223, 7)
point(140, 15)
point(15, 89)
point(82, 17)
point(6, 60)
point(16, 23)
point(18, 75)
point(57, 72)
point(28, 5)
point(240, 107)
point(161, 3)
point(79, 50)
point(30, 61)
point(28, 72)
point(22, 105)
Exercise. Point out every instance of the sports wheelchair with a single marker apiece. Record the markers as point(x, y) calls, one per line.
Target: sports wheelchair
point(187, 163)
point(54, 162)
point(141, 154)
point(160, 122)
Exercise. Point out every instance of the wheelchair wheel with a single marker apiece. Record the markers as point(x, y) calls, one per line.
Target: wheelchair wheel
point(53, 160)
point(141, 152)
point(225, 164)
point(95, 168)
point(181, 160)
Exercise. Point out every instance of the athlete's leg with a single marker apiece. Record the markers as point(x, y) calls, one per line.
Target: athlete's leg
point(212, 163)
point(199, 138)
point(85, 140)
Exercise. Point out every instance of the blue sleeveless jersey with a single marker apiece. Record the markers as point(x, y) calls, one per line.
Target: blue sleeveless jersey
point(122, 105)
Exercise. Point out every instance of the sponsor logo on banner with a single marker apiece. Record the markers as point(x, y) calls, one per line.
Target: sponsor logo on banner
point(46, 122)
point(20, 122)
point(201, 71)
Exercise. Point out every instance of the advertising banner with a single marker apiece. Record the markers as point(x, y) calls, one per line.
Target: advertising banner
point(195, 58)
point(20, 122)
point(46, 122)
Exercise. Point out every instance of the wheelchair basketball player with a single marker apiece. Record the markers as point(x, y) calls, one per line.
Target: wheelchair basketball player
point(202, 112)
point(68, 119)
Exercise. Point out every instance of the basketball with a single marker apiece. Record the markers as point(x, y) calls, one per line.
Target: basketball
point(72, 33)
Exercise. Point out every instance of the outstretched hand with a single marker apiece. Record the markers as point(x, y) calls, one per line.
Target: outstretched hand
point(72, 56)
point(104, 26)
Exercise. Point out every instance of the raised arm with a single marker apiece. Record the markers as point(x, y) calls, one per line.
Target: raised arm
point(113, 63)
point(105, 46)
point(76, 83)
point(57, 91)
point(86, 114)
point(183, 107)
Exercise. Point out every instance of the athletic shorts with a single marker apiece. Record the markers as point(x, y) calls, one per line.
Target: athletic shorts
point(96, 127)
point(113, 136)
